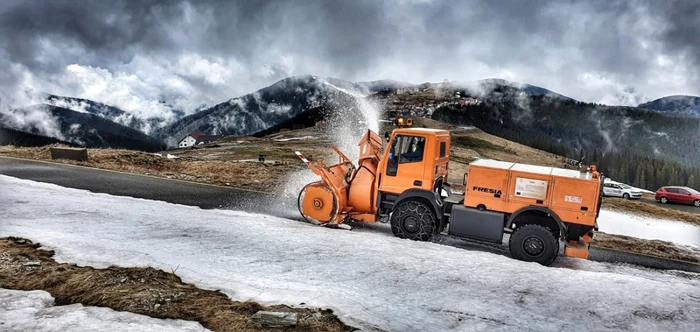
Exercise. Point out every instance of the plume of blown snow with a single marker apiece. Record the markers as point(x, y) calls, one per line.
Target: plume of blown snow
point(347, 126)
point(350, 122)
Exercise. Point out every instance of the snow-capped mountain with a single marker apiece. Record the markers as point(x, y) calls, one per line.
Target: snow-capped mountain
point(268, 107)
point(687, 106)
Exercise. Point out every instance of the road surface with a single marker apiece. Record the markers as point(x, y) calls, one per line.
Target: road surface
point(684, 208)
point(140, 186)
point(217, 197)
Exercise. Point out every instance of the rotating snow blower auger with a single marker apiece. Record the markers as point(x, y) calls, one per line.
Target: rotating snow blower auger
point(332, 200)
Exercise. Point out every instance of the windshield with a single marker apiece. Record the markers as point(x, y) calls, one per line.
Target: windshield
point(624, 186)
point(693, 191)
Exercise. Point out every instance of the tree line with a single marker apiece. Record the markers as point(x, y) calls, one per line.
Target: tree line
point(642, 148)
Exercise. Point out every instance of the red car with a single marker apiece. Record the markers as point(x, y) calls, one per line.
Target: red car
point(680, 195)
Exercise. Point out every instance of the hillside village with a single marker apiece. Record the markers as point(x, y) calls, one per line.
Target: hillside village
point(422, 102)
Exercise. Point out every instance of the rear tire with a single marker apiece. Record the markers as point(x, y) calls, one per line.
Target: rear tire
point(534, 243)
point(663, 200)
point(626, 196)
point(413, 220)
point(697, 203)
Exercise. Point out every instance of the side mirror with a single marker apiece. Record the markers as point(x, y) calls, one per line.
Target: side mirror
point(464, 181)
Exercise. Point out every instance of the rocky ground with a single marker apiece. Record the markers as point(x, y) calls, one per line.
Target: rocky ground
point(146, 291)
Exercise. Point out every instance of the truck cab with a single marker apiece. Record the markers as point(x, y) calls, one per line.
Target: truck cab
point(414, 163)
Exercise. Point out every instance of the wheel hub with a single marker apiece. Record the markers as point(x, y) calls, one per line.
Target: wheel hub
point(533, 246)
point(410, 224)
point(317, 203)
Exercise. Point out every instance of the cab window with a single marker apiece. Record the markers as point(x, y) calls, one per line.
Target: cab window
point(412, 149)
point(405, 149)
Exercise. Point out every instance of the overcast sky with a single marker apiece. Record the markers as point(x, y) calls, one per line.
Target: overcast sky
point(133, 54)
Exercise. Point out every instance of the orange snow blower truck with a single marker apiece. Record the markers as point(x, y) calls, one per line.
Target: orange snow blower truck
point(406, 185)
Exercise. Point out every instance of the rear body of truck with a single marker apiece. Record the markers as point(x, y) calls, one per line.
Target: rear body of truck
point(502, 197)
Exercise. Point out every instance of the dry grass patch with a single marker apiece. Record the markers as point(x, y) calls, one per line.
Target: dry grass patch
point(250, 175)
point(144, 291)
point(656, 248)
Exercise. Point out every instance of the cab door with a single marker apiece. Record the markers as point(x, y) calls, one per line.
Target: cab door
point(405, 164)
point(617, 190)
point(672, 195)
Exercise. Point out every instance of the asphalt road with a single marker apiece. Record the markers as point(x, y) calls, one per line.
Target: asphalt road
point(141, 186)
point(679, 207)
point(217, 197)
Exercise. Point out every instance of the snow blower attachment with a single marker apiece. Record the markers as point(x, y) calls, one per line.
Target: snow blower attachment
point(406, 185)
point(333, 200)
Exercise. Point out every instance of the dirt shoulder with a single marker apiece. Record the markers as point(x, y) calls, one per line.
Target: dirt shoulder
point(656, 248)
point(242, 174)
point(144, 291)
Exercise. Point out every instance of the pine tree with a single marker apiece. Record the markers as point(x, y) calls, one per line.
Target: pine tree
point(640, 179)
point(694, 182)
point(649, 176)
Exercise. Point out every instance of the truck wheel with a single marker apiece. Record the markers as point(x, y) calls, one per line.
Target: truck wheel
point(626, 196)
point(413, 220)
point(534, 243)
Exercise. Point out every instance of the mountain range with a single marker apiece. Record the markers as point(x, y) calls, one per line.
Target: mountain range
point(74, 128)
point(508, 108)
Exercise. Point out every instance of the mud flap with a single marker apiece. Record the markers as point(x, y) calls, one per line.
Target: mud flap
point(578, 249)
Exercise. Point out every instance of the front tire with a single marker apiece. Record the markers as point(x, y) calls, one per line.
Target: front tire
point(663, 200)
point(626, 196)
point(413, 220)
point(697, 203)
point(534, 243)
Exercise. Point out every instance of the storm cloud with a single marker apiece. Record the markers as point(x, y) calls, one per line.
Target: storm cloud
point(150, 56)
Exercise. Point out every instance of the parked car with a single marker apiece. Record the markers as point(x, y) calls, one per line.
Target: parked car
point(612, 189)
point(679, 195)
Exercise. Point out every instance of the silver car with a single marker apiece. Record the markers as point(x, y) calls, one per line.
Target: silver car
point(611, 189)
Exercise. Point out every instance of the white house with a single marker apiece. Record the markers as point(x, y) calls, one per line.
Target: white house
point(189, 140)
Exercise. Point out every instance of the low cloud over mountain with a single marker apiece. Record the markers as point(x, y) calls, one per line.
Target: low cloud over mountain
point(151, 58)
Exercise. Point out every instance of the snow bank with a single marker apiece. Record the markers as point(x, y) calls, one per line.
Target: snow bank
point(294, 138)
point(370, 278)
point(34, 311)
point(614, 222)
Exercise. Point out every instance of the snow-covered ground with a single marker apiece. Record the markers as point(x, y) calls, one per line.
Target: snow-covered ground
point(614, 222)
point(370, 278)
point(35, 311)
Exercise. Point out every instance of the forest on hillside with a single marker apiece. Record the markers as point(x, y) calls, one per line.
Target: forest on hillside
point(645, 149)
